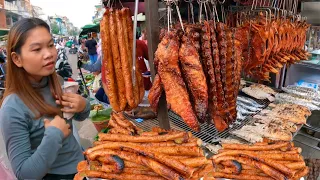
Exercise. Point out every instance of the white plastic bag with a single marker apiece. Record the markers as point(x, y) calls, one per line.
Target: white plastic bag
point(5, 168)
point(5, 171)
point(96, 82)
point(70, 87)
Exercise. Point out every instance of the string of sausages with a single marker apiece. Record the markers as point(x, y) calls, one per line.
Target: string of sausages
point(116, 34)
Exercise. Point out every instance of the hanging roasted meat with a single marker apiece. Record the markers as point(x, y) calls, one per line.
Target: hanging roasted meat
point(238, 36)
point(155, 93)
point(194, 77)
point(273, 43)
point(207, 63)
point(222, 44)
point(218, 117)
point(108, 76)
point(193, 33)
point(171, 78)
point(116, 60)
point(230, 72)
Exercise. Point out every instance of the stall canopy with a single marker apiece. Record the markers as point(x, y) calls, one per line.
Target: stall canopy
point(3, 32)
point(90, 28)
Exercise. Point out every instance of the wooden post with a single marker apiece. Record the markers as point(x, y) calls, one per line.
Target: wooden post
point(152, 24)
point(153, 29)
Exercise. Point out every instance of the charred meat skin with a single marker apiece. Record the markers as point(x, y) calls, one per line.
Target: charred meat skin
point(222, 44)
point(171, 78)
point(194, 77)
point(219, 114)
point(230, 73)
point(208, 69)
point(155, 93)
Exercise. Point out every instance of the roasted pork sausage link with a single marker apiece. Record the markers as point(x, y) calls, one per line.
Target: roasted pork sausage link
point(110, 84)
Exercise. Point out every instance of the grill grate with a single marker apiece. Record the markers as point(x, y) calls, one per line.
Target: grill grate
point(208, 132)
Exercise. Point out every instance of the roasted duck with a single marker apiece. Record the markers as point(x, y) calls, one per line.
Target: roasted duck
point(273, 44)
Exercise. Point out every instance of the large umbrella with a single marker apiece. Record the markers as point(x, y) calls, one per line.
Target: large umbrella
point(4, 32)
point(90, 28)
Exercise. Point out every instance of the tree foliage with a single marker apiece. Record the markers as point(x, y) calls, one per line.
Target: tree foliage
point(54, 28)
point(73, 31)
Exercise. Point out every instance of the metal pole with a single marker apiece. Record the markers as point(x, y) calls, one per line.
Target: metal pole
point(152, 22)
point(134, 42)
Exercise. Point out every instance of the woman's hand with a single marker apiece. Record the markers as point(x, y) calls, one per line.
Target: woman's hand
point(72, 103)
point(59, 123)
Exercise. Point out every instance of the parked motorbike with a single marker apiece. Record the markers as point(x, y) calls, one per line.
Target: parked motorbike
point(83, 55)
point(62, 66)
point(73, 49)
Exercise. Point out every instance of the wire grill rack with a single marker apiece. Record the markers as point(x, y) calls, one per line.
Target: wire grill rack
point(208, 133)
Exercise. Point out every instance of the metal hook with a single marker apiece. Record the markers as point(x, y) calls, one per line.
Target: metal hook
point(136, 6)
point(121, 3)
point(252, 4)
point(223, 15)
point(168, 13)
point(192, 12)
point(179, 15)
point(190, 2)
point(205, 10)
point(200, 11)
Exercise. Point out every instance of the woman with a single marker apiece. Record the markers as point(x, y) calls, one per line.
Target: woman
point(38, 141)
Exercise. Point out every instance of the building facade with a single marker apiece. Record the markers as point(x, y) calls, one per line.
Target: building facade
point(13, 10)
point(64, 24)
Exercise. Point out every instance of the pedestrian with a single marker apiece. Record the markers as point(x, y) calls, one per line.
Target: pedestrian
point(143, 36)
point(2, 53)
point(143, 57)
point(91, 45)
point(37, 139)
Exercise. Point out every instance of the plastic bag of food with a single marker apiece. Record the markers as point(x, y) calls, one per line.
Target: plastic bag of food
point(69, 87)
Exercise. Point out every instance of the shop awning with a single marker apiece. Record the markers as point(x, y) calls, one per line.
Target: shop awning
point(4, 32)
point(90, 28)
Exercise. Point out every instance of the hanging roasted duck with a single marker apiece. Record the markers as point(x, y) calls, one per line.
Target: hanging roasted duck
point(272, 44)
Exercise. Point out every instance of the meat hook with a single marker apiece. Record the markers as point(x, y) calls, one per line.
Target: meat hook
point(135, 22)
point(191, 9)
point(179, 15)
point(215, 12)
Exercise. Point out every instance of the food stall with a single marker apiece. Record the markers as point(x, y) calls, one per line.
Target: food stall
point(210, 122)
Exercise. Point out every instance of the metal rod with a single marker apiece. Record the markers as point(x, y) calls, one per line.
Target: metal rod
point(282, 78)
point(134, 42)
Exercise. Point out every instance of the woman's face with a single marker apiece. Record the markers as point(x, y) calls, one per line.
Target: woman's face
point(38, 54)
